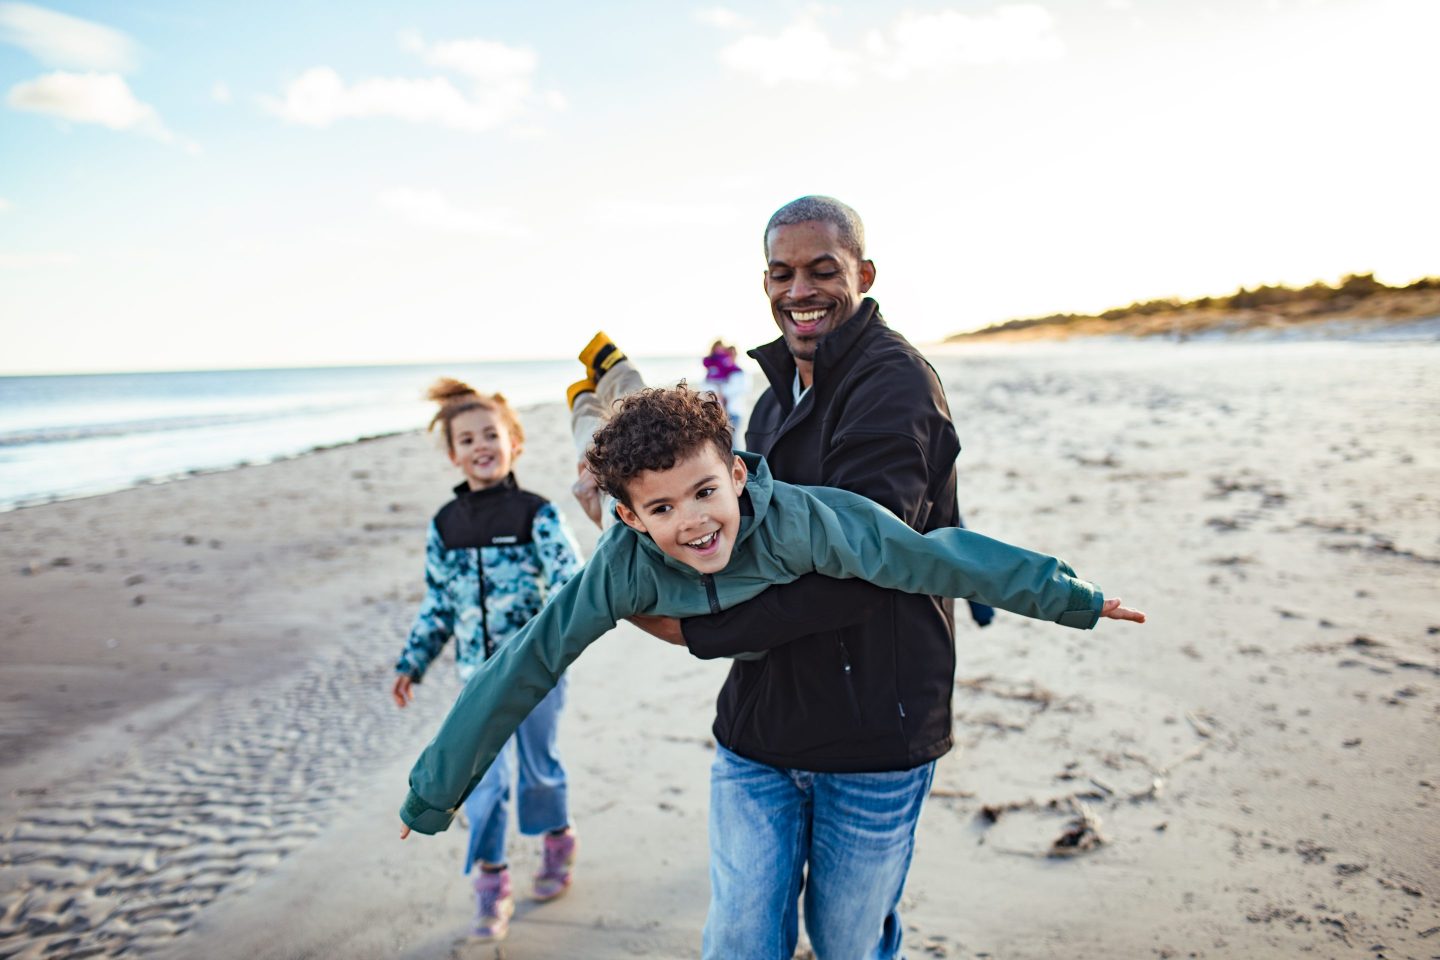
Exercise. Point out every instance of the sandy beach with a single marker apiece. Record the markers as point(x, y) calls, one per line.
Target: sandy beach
point(199, 757)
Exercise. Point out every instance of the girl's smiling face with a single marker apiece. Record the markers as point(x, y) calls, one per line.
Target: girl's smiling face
point(692, 510)
point(482, 446)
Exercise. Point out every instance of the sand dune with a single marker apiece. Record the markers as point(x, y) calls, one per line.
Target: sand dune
point(199, 758)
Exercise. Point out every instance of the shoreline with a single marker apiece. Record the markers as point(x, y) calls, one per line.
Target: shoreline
point(1421, 330)
point(193, 472)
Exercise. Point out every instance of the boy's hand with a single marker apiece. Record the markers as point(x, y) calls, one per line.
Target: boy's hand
point(404, 832)
point(1113, 611)
point(403, 690)
point(666, 628)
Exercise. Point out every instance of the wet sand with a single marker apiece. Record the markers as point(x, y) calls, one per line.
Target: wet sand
point(198, 756)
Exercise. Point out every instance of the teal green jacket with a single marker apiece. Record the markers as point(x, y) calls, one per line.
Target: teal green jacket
point(793, 531)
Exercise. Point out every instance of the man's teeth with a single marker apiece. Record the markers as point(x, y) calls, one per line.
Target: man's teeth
point(806, 316)
point(704, 541)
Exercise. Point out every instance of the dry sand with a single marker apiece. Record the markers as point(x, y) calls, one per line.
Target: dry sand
point(199, 759)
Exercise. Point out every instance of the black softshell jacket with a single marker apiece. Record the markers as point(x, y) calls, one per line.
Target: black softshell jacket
point(858, 679)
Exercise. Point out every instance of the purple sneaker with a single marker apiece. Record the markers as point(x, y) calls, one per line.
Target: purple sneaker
point(556, 870)
point(493, 905)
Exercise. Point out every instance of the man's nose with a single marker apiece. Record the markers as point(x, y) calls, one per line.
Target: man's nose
point(800, 288)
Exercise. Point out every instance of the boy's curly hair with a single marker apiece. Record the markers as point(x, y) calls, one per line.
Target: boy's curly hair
point(654, 429)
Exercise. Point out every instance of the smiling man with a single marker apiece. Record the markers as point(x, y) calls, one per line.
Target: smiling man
point(828, 744)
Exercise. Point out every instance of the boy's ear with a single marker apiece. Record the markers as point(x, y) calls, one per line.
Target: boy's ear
point(628, 516)
point(739, 474)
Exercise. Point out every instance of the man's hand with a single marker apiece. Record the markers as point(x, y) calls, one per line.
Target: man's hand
point(1113, 611)
point(403, 690)
point(587, 493)
point(666, 628)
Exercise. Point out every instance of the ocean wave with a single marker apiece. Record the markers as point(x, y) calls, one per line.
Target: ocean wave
point(71, 432)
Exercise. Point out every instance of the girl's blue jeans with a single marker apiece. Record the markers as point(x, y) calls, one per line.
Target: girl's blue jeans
point(849, 835)
point(540, 786)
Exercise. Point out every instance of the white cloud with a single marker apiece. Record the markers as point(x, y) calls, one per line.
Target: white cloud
point(500, 89)
point(34, 261)
point(319, 97)
point(220, 92)
point(722, 17)
point(802, 52)
point(60, 40)
point(5, 205)
point(913, 44)
point(485, 60)
point(430, 210)
point(102, 98)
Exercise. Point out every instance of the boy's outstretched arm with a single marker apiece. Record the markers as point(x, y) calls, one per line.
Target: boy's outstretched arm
point(853, 537)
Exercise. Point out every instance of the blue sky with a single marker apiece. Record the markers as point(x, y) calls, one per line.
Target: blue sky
point(209, 185)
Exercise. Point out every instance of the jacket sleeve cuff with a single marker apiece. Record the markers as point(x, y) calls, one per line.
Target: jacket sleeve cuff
point(423, 818)
point(1083, 610)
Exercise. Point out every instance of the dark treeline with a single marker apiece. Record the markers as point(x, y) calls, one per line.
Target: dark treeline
point(1320, 297)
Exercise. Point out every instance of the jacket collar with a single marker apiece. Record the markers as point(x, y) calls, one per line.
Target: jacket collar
point(779, 366)
point(759, 490)
point(463, 492)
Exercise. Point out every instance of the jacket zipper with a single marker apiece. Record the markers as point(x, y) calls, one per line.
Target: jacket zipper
point(849, 681)
point(710, 593)
point(484, 617)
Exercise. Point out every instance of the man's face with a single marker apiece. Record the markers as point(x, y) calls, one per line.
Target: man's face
point(815, 283)
point(692, 510)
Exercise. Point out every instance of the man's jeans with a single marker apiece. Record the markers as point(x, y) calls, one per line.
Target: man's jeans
point(541, 788)
point(856, 833)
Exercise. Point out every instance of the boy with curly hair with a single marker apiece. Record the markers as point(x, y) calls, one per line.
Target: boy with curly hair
point(703, 528)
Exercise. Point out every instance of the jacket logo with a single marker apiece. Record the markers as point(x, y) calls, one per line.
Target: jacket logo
point(504, 539)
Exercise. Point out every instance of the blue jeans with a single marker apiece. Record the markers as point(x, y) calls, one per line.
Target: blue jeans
point(850, 836)
point(542, 795)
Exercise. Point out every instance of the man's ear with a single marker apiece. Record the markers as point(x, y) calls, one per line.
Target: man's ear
point(867, 275)
point(739, 474)
point(628, 516)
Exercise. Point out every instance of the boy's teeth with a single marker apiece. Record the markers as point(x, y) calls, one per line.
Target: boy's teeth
point(703, 541)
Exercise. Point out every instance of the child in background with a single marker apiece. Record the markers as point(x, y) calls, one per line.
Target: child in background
point(704, 528)
point(728, 380)
point(495, 555)
point(720, 363)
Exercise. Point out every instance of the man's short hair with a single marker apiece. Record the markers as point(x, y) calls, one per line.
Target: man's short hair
point(654, 429)
point(822, 210)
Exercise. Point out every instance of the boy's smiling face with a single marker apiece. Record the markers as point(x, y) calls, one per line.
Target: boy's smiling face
point(692, 510)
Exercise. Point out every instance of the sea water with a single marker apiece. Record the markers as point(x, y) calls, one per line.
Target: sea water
point(77, 435)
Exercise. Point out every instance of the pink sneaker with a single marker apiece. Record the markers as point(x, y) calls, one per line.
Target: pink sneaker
point(493, 905)
point(556, 871)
